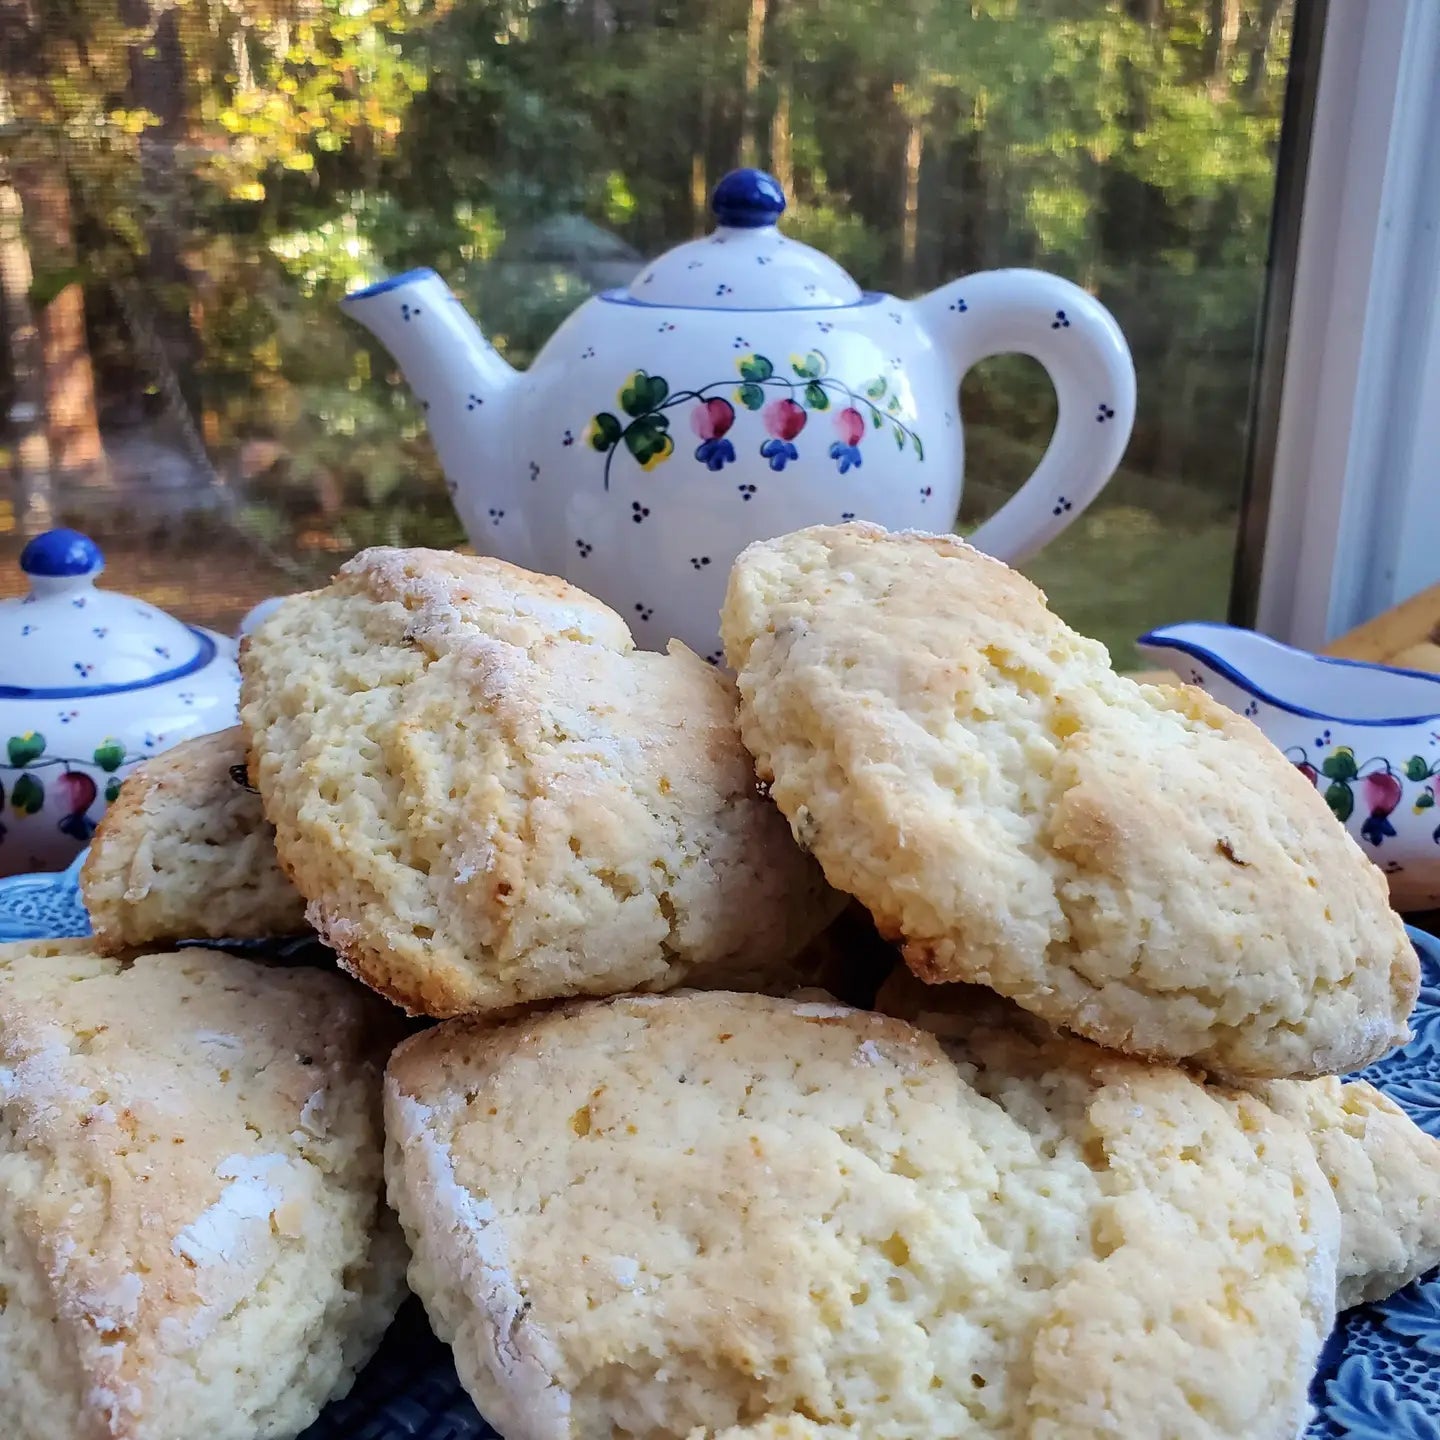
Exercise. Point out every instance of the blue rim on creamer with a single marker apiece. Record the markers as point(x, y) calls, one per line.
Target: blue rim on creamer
point(1158, 640)
point(1376, 1379)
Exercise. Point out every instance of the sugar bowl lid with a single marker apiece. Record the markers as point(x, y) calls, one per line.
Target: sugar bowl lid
point(745, 263)
point(66, 639)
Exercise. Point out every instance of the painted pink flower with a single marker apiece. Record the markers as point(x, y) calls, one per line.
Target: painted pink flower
point(784, 419)
point(710, 419)
point(1382, 793)
point(845, 452)
point(850, 424)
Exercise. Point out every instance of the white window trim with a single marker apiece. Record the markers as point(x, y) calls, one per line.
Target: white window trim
point(1354, 513)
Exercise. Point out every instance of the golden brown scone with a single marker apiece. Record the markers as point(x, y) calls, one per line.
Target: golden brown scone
point(719, 1215)
point(490, 797)
point(1383, 1169)
point(193, 1236)
point(185, 853)
point(1131, 862)
point(1385, 1172)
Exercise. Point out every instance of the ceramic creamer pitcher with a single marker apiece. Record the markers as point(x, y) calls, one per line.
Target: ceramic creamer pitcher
point(743, 386)
point(1367, 736)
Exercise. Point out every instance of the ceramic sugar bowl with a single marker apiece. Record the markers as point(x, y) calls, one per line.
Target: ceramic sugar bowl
point(91, 683)
point(743, 386)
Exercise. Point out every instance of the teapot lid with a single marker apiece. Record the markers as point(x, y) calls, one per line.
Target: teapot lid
point(745, 263)
point(67, 640)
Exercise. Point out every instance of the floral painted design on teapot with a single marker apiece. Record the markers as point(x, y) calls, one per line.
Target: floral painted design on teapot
point(784, 405)
point(91, 683)
point(743, 386)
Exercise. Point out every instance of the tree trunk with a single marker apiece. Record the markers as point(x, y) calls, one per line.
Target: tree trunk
point(32, 451)
point(910, 218)
point(1221, 33)
point(72, 426)
point(754, 50)
point(780, 154)
point(1262, 39)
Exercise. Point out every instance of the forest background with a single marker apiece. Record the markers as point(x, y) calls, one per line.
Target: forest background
point(187, 187)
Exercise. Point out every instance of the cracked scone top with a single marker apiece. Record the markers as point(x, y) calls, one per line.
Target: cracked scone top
point(489, 796)
point(193, 1236)
point(1132, 862)
point(713, 1215)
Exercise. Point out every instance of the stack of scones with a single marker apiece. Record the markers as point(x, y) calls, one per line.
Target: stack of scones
point(928, 1034)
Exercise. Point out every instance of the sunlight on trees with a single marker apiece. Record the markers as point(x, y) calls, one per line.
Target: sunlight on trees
point(200, 180)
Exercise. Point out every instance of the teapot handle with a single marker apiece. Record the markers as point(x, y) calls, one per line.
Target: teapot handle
point(1076, 339)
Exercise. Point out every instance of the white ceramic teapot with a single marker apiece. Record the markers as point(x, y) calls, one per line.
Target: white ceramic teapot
point(91, 683)
point(742, 387)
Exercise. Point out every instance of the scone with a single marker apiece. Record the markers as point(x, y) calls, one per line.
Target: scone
point(1384, 1170)
point(193, 1236)
point(185, 853)
point(490, 797)
point(1131, 862)
point(706, 1215)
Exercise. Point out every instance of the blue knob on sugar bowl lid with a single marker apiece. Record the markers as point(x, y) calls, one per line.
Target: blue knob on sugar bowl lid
point(92, 682)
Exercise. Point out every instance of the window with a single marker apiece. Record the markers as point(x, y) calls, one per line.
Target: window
point(188, 191)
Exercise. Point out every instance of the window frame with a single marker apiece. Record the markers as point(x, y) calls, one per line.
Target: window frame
point(1343, 496)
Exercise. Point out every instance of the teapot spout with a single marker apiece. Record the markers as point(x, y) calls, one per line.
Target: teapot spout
point(462, 383)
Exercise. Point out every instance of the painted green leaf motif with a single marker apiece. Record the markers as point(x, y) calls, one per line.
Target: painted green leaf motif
point(112, 789)
point(815, 397)
point(809, 366)
point(899, 437)
point(1341, 765)
point(1424, 800)
point(894, 406)
point(919, 448)
point(28, 795)
point(643, 393)
point(876, 418)
point(876, 388)
point(1340, 799)
point(752, 397)
point(755, 367)
point(25, 748)
point(109, 755)
point(605, 431)
point(1416, 768)
point(647, 440)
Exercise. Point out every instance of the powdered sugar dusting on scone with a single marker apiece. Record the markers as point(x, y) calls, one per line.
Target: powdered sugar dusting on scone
point(178, 1255)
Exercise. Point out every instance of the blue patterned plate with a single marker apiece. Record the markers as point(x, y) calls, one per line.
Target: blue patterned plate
point(1379, 1378)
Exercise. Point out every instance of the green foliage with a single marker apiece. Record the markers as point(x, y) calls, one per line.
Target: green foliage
point(238, 164)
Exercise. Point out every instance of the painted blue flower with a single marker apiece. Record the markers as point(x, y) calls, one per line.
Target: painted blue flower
point(716, 454)
point(779, 453)
point(845, 456)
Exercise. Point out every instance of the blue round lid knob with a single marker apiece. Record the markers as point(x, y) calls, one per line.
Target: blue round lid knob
point(747, 199)
point(61, 552)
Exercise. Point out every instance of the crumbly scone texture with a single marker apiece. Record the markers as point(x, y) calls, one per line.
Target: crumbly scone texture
point(185, 853)
point(1385, 1172)
point(716, 1215)
point(193, 1235)
point(490, 797)
point(1383, 1169)
point(1131, 862)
